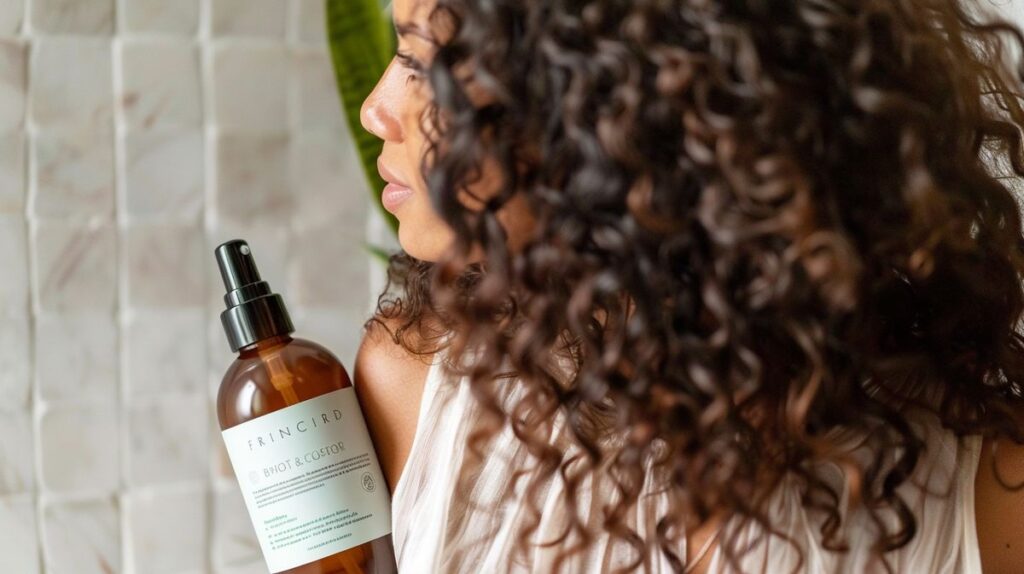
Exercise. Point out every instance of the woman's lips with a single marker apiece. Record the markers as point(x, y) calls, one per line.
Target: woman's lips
point(393, 195)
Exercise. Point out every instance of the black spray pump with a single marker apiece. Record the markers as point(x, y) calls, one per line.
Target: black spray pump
point(254, 313)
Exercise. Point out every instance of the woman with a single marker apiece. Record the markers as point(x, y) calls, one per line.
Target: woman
point(700, 286)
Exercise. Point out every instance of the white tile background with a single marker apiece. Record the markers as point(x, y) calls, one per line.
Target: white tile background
point(135, 136)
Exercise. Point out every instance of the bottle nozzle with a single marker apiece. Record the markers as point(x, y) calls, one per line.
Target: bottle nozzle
point(237, 266)
point(253, 312)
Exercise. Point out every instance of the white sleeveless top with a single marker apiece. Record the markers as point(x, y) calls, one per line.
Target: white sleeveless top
point(435, 530)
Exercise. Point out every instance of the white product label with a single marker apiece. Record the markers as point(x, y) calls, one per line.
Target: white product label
point(310, 479)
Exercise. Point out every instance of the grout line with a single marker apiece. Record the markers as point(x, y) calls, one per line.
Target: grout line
point(34, 407)
point(25, 28)
point(122, 313)
point(202, 47)
point(292, 120)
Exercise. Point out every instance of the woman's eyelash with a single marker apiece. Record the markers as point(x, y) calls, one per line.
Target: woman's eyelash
point(410, 63)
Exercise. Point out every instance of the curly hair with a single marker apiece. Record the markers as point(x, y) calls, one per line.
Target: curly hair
point(758, 221)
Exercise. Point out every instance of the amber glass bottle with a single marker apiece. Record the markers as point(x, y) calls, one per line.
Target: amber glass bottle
point(296, 438)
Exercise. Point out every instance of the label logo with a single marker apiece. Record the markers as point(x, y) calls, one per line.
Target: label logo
point(369, 485)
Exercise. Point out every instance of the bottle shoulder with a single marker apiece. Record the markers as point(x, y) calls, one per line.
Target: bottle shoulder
point(293, 353)
point(274, 376)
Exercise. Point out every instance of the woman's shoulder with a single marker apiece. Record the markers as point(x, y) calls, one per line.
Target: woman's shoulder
point(997, 524)
point(389, 381)
point(999, 512)
point(378, 348)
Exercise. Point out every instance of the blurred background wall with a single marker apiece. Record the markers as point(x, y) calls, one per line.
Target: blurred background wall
point(136, 135)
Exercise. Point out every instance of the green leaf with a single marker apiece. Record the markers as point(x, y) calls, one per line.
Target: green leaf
point(377, 251)
point(362, 42)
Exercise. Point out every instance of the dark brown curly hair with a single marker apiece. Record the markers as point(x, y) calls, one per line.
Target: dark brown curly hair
point(757, 221)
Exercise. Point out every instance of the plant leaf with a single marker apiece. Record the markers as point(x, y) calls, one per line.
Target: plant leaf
point(377, 251)
point(362, 42)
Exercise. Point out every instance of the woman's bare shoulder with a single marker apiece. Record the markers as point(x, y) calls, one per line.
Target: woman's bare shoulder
point(389, 383)
point(999, 512)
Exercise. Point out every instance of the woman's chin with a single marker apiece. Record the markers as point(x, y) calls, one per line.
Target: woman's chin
point(424, 242)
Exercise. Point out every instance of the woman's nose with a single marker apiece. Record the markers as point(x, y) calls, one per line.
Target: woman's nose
point(380, 110)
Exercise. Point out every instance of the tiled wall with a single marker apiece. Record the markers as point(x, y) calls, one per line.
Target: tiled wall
point(135, 135)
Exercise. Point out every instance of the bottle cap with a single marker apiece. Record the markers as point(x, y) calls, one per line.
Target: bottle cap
point(253, 312)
